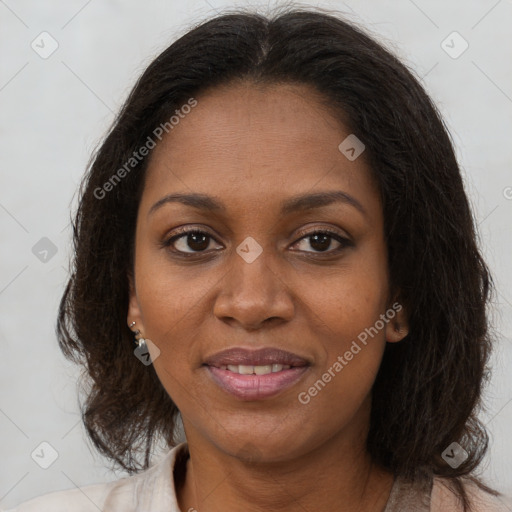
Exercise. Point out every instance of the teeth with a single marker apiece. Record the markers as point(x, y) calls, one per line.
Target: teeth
point(263, 370)
point(243, 369)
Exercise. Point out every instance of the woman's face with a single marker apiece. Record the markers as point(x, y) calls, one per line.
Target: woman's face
point(263, 274)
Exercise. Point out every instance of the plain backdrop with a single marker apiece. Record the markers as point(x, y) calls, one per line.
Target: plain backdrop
point(55, 108)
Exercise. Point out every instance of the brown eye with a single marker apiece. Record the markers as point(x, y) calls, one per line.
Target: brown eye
point(189, 241)
point(320, 241)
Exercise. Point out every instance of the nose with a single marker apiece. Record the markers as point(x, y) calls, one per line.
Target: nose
point(253, 294)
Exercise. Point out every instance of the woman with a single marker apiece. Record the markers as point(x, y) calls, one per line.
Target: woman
point(274, 242)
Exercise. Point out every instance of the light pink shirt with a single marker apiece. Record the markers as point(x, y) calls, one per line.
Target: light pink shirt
point(153, 491)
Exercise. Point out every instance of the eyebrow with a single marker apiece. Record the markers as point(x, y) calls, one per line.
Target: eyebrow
point(291, 205)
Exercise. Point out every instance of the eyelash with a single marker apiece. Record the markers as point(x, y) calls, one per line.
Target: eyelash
point(182, 232)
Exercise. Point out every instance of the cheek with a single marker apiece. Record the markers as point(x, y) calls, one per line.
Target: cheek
point(352, 350)
point(352, 298)
point(169, 303)
point(168, 293)
point(353, 340)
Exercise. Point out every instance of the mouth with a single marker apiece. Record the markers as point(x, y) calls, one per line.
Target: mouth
point(248, 369)
point(256, 374)
point(255, 358)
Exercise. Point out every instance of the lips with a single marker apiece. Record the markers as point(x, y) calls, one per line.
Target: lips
point(260, 357)
point(256, 374)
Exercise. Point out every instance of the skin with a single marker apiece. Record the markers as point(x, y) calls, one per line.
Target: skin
point(252, 147)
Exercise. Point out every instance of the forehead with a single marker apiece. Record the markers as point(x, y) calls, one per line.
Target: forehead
point(257, 143)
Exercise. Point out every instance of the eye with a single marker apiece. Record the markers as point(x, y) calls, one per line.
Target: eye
point(321, 240)
point(195, 239)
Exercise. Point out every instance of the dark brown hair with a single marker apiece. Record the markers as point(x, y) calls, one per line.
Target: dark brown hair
point(428, 389)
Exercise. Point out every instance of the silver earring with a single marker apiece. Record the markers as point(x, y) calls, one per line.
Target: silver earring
point(139, 340)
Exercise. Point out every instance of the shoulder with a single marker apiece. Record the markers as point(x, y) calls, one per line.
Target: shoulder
point(444, 499)
point(82, 499)
point(151, 489)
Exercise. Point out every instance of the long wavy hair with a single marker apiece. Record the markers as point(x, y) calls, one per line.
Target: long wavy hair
point(427, 393)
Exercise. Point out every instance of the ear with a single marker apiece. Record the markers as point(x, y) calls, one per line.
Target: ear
point(134, 313)
point(398, 326)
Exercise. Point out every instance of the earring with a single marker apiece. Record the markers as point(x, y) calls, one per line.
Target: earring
point(139, 340)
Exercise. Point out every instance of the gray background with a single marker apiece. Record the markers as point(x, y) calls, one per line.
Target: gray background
point(55, 110)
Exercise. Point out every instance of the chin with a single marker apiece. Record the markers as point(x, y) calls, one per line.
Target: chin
point(263, 448)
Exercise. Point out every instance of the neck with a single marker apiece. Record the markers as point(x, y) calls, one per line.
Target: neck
point(337, 475)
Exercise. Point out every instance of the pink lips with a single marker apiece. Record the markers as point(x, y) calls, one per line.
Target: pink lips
point(256, 387)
